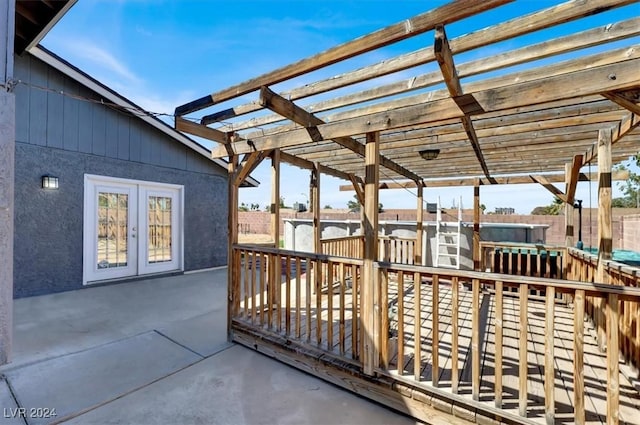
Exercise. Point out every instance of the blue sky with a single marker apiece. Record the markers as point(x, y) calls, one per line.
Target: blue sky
point(161, 54)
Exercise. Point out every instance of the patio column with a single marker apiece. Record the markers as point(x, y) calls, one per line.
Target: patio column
point(605, 236)
point(275, 197)
point(7, 147)
point(419, 219)
point(233, 275)
point(476, 225)
point(370, 313)
point(315, 201)
point(569, 228)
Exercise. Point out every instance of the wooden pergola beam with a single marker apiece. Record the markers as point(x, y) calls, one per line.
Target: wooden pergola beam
point(309, 165)
point(550, 187)
point(617, 175)
point(623, 101)
point(445, 14)
point(626, 125)
point(541, 19)
point(290, 110)
point(585, 82)
point(534, 74)
point(247, 166)
point(444, 56)
point(356, 185)
point(200, 130)
point(572, 183)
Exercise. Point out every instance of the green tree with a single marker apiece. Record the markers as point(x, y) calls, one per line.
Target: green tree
point(555, 208)
point(354, 205)
point(243, 207)
point(630, 187)
point(328, 207)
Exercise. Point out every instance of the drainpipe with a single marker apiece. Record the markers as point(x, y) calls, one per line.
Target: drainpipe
point(578, 205)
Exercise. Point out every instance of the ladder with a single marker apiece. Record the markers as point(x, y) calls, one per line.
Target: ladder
point(448, 235)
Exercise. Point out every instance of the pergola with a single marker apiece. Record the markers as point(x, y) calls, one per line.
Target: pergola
point(486, 124)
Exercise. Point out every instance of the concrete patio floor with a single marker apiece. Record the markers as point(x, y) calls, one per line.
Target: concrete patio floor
point(155, 352)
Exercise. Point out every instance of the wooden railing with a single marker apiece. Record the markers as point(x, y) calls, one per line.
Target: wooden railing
point(426, 354)
point(344, 246)
point(481, 334)
point(583, 267)
point(309, 299)
point(521, 259)
point(396, 249)
point(390, 248)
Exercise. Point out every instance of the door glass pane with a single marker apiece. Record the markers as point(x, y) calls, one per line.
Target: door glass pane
point(159, 231)
point(113, 223)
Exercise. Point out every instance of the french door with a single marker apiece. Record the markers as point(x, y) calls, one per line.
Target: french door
point(131, 228)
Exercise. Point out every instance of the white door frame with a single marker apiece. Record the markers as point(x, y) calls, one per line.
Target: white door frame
point(137, 239)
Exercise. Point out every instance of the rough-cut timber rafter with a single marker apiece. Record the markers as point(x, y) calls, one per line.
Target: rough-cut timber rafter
point(308, 165)
point(626, 126)
point(551, 188)
point(573, 179)
point(577, 84)
point(624, 102)
point(444, 56)
point(617, 175)
point(557, 14)
point(247, 166)
point(448, 13)
point(289, 110)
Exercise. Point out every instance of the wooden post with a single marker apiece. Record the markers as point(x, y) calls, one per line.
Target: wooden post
point(275, 197)
point(605, 236)
point(578, 357)
point(315, 200)
point(569, 228)
point(419, 219)
point(233, 280)
point(476, 225)
point(613, 357)
point(370, 356)
point(549, 357)
point(274, 271)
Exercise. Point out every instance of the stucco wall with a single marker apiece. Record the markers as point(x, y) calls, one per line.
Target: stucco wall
point(48, 224)
point(7, 139)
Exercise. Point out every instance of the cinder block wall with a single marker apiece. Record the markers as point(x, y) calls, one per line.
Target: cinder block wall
point(631, 232)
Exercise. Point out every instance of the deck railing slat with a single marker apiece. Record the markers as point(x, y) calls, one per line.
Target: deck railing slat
point(523, 363)
point(435, 326)
point(549, 369)
point(417, 325)
point(475, 340)
point(455, 295)
point(498, 344)
point(613, 368)
point(578, 357)
point(400, 360)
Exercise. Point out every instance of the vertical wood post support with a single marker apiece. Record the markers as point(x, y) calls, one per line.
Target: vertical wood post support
point(233, 278)
point(370, 334)
point(315, 200)
point(419, 230)
point(605, 236)
point(476, 225)
point(613, 357)
point(569, 228)
point(275, 197)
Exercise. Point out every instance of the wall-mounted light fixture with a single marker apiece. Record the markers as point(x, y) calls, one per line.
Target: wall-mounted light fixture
point(429, 154)
point(49, 182)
